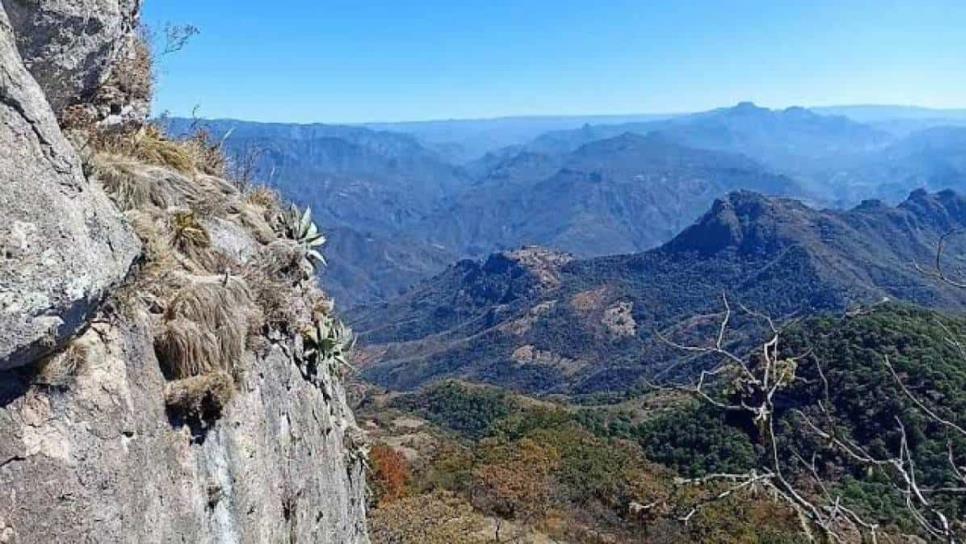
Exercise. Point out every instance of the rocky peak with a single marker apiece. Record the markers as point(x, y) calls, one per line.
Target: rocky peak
point(542, 263)
point(73, 47)
point(743, 221)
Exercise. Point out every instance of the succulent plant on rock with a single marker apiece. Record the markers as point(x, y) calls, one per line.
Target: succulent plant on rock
point(326, 345)
point(329, 340)
point(299, 227)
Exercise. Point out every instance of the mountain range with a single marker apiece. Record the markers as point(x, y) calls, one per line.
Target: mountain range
point(541, 321)
point(401, 201)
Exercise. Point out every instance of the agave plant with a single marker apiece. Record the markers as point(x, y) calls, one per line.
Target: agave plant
point(328, 341)
point(298, 226)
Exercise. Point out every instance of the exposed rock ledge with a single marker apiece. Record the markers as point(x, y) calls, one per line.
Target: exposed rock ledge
point(100, 461)
point(202, 401)
point(63, 245)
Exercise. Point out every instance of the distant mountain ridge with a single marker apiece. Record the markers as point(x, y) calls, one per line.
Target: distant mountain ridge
point(403, 206)
point(368, 191)
point(618, 195)
point(589, 324)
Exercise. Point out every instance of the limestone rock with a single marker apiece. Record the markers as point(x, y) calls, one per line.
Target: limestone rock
point(101, 460)
point(63, 244)
point(71, 46)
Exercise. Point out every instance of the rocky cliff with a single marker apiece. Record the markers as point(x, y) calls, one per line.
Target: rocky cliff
point(169, 371)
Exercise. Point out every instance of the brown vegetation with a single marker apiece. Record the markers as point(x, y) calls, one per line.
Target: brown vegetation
point(390, 476)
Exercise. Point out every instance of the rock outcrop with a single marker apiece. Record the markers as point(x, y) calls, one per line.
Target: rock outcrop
point(101, 462)
point(194, 396)
point(63, 244)
point(72, 46)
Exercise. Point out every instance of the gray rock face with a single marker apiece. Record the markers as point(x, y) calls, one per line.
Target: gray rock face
point(70, 46)
point(63, 244)
point(100, 461)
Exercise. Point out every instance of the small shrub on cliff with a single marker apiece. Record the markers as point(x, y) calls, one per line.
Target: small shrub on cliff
point(60, 369)
point(199, 398)
point(299, 227)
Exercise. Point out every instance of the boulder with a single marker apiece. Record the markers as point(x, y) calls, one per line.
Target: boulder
point(63, 244)
point(71, 46)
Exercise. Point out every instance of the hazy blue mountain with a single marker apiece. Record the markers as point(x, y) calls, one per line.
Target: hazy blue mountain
point(879, 113)
point(933, 159)
point(899, 120)
point(618, 195)
point(465, 140)
point(539, 321)
point(789, 140)
point(405, 208)
point(370, 267)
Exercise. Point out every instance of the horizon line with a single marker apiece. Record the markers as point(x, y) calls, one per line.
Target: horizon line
point(521, 117)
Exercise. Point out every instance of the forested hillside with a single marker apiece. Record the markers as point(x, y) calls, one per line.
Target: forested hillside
point(543, 322)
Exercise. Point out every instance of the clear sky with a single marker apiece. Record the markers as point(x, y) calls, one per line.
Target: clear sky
point(389, 60)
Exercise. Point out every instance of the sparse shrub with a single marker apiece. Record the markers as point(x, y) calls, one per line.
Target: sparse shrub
point(133, 75)
point(516, 481)
point(437, 518)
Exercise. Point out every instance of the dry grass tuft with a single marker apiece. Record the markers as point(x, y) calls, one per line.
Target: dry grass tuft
point(60, 369)
point(205, 328)
point(274, 298)
point(258, 221)
point(188, 235)
point(264, 197)
point(149, 144)
point(133, 186)
point(201, 398)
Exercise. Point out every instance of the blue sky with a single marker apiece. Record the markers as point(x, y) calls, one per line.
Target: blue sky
point(390, 60)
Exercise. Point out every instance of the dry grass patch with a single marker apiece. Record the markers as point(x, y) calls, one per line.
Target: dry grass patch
point(149, 144)
point(133, 185)
point(264, 197)
point(201, 398)
point(205, 328)
point(188, 235)
point(60, 369)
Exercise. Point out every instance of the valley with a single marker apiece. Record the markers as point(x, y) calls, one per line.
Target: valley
point(563, 326)
point(589, 186)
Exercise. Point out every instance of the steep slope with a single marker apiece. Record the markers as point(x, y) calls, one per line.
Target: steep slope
point(576, 326)
point(369, 267)
point(619, 195)
point(195, 396)
point(63, 244)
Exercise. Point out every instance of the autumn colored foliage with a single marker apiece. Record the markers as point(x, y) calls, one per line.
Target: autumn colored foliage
point(391, 474)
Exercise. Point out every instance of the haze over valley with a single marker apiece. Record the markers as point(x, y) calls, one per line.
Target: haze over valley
point(407, 199)
point(482, 272)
